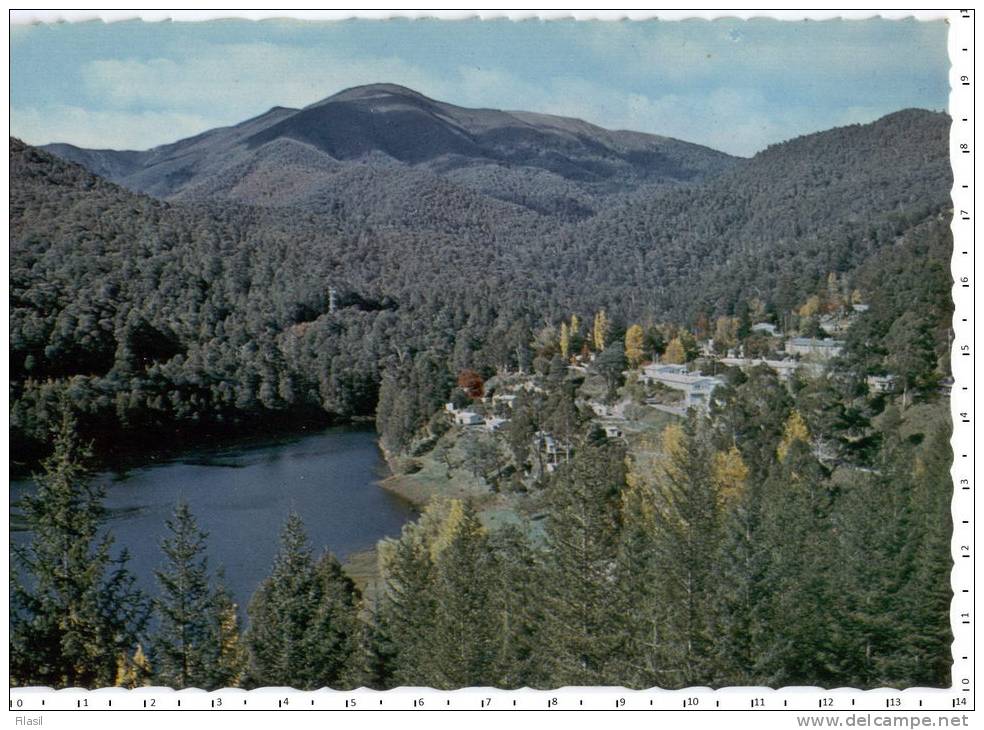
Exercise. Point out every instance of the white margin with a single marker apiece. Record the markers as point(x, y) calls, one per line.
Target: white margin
point(930, 704)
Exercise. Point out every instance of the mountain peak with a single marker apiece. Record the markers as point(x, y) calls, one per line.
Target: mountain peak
point(369, 91)
point(547, 162)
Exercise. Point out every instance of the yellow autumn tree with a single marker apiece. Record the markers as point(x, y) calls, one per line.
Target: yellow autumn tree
point(575, 325)
point(674, 451)
point(643, 463)
point(794, 430)
point(633, 345)
point(730, 476)
point(429, 535)
point(565, 341)
point(726, 332)
point(135, 671)
point(756, 309)
point(639, 502)
point(675, 352)
point(600, 330)
point(447, 529)
point(233, 657)
point(811, 307)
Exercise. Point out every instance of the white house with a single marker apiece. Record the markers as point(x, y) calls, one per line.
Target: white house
point(468, 418)
point(600, 409)
point(696, 388)
point(504, 398)
point(612, 431)
point(783, 368)
point(812, 347)
point(765, 328)
point(656, 369)
point(881, 383)
point(554, 451)
point(494, 423)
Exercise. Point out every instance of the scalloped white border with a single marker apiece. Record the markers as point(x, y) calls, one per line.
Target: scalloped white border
point(930, 705)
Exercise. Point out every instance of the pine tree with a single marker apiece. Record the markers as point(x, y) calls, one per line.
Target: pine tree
point(462, 640)
point(687, 533)
point(611, 365)
point(739, 614)
point(578, 639)
point(639, 604)
point(516, 595)
point(181, 642)
point(336, 632)
point(303, 629)
point(77, 609)
point(928, 595)
point(197, 641)
point(800, 643)
point(872, 525)
point(404, 617)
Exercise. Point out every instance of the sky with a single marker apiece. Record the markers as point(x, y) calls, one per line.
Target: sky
point(733, 85)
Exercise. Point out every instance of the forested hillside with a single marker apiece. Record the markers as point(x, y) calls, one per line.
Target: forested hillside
point(183, 315)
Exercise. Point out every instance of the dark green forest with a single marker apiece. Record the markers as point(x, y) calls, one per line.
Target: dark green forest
point(796, 533)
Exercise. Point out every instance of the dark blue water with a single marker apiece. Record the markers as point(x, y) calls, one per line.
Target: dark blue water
point(242, 494)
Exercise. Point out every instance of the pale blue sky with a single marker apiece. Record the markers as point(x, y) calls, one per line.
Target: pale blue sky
point(734, 85)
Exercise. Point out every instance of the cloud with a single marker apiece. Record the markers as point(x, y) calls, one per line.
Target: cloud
point(104, 129)
point(247, 76)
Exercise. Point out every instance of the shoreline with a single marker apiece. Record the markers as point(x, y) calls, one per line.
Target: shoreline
point(398, 484)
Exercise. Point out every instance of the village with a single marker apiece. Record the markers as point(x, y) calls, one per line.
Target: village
point(475, 448)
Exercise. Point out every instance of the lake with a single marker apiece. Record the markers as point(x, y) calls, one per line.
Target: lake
point(242, 493)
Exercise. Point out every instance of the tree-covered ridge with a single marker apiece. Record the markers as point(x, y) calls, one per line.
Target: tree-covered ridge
point(186, 316)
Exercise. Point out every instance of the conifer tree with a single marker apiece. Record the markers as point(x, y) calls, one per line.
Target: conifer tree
point(197, 642)
point(800, 645)
point(928, 594)
point(303, 629)
point(640, 608)
point(739, 614)
point(687, 533)
point(462, 641)
point(578, 639)
point(76, 610)
point(404, 617)
point(516, 595)
point(611, 365)
point(181, 644)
